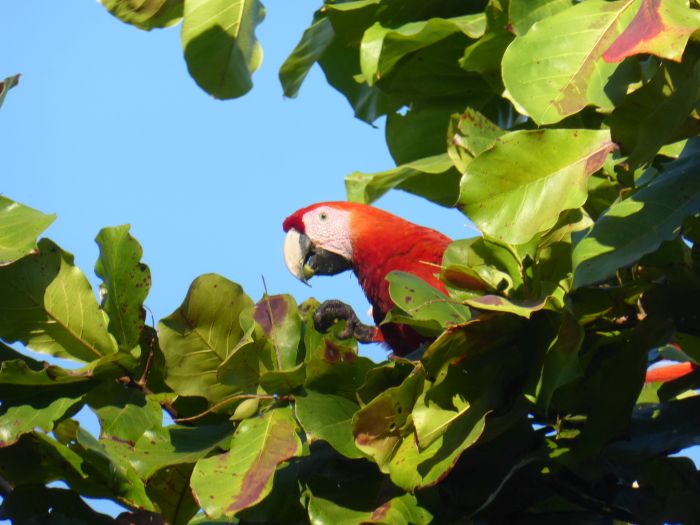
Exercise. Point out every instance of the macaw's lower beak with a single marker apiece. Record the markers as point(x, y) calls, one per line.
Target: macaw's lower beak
point(304, 260)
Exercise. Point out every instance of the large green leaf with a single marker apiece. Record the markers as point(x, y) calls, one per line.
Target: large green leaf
point(401, 510)
point(523, 14)
point(230, 482)
point(6, 85)
point(49, 306)
point(470, 133)
point(328, 417)
point(316, 39)
point(556, 68)
point(198, 336)
point(125, 284)
point(519, 187)
point(660, 27)
point(221, 51)
point(639, 224)
point(383, 47)
point(146, 14)
point(433, 178)
point(19, 228)
point(169, 489)
point(278, 317)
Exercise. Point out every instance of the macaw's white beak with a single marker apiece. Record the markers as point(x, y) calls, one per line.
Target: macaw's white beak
point(297, 248)
point(305, 260)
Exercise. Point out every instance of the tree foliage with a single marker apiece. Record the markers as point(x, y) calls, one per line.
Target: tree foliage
point(566, 131)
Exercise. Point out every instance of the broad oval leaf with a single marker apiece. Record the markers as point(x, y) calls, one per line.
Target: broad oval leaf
point(523, 15)
point(660, 27)
point(198, 336)
point(19, 227)
point(557, 69)
point(238, 479)
point(519, 187)
point(146, 14)
point(221, 50)
point(49, 306)
point(125, 283)
point(639, 224)
point(401, 510)
point(328, 417)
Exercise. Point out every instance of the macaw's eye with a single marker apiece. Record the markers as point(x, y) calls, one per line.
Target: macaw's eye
point(323, 215)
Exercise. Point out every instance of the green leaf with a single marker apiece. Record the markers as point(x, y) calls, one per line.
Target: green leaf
point(199, 336)
point(49, 306)
point(173, 445)
point(639, 224)
point(170, 490)
point(422, 302)
point(379, 426)
point(470, 134)
point(523, 14)
point(230, 482)
point(654, 114)
point(6, 85)
point(278, 317)
point(36, 409)
point(315, 41)
point(660, 28)
point(383, 47)
point(496, 303)
point(146, 14)
point(519, 187)
point(124, 412)
point(221, 51)
point(401, 510)
point(557, 69)
point(112, 471)
point(126, 282)
point(433, 178)
point(468, 263)
point(328, 417)
point(19, 228)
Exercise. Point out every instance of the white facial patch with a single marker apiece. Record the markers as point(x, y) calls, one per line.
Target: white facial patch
point(329, 229)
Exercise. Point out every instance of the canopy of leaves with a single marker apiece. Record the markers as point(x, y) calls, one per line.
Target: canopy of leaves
point(567, 132)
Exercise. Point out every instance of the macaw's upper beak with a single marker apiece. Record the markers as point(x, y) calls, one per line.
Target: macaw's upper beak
point(304, 260)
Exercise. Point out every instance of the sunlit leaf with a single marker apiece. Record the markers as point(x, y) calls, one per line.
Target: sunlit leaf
point(19, 228)
point(316, 39)
point(328, 417)
point(201, 334)
point(49, 306)
point(221, 50)
point(519, 187)
point(523, 14)
point(257, 448)
point(637, 225)
point(147, 14)
point(401, 510)
point(125, 284)
point(556, 69)
point(660, 27)
point(433, 178)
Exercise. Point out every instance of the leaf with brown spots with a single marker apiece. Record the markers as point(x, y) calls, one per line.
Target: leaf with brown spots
point(556, 69)
point(228, 483)
point(660, 27)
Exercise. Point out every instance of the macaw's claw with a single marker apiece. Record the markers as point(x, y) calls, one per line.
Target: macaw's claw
point(333, 310)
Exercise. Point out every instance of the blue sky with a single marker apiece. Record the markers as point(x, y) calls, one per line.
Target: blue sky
point(107, 127)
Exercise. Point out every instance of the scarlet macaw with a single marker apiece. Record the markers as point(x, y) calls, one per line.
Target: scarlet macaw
point(328, 238)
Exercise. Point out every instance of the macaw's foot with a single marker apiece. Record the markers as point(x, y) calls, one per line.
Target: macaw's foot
point(333, 310)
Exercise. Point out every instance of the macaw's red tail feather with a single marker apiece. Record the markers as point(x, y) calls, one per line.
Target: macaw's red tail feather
point(669, 372)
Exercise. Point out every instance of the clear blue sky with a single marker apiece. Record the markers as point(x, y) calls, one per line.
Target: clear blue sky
point(106, 128)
